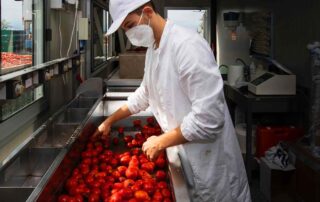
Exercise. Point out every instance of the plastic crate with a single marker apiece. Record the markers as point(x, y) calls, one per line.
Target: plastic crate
point(269, 136)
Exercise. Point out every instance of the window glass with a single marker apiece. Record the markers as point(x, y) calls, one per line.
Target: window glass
point(21, 34)
point(197, 20)
point(100, 27)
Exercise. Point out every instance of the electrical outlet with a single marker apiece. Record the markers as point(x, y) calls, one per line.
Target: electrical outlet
point(38, 92)
point(56, 69)
point(69, 64)
point(28, 82)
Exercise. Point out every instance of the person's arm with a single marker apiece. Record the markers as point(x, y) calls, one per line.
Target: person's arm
point(138, 101)
point(155, 144)
point(201, 81)
point(105, 127)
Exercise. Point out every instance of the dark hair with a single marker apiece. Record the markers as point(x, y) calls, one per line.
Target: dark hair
point(150, 3)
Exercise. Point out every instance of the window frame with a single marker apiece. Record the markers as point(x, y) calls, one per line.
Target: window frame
point(94, 68)
point(43, 32)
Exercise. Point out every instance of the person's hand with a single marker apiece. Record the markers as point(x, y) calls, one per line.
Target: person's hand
point(152, 147)
point(103, 130)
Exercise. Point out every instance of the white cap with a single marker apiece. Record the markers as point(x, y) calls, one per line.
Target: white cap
point(119, 10)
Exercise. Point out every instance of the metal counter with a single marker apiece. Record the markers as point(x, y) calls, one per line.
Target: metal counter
point(38, 172)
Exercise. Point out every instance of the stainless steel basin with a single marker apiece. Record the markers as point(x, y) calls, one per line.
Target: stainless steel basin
point(28, 168)
point(74, 115)
point(83, 102)
point(54, 136)
point(13, 194)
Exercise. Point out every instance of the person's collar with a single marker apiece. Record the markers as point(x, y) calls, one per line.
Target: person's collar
point(165, 34)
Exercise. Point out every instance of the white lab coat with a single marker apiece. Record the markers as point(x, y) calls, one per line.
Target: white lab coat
point(183, 87)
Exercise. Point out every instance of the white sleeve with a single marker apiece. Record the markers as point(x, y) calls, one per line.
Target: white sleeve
point(202, 83)
point(139, 100)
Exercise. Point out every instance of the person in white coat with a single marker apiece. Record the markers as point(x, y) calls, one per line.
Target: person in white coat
point(184, 89)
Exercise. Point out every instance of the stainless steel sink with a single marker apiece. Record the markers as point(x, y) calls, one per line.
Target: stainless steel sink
point(54, 136)
point(14, 194)
point(83, 102)
point(28, 168)
point(74, 115)
point(21, 176)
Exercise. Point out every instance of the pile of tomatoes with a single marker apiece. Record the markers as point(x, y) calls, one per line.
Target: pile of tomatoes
point(104, 175)
point(12, 59)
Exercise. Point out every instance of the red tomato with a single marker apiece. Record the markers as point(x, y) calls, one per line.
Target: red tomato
point(162, 185)
point(121, 130)
point(96, 191)
point(78, 198)
point(134, 162)
point(126, 193)
point(116, 197)
point(141, 195)
point(135, 151)
point(138, 136)
point(71, 183)
point(87, 161)
point(122, 179)
point(93, 198)
point(114, 162)
point(116, 174)
point(95, 160)
point(101, 175)
point(124, 160)
point(144, 160)
point(149, 167)
point(132, 173)
point(148, 187)
point(128, 183)
point(166, 193)
point(144, 174)
point(115, 141)
point(105, 195)
point(135, 187)
point(129, 145)
point(96, 184)
point(128, 138)
point(108, 153)
point(134, 143)
point(137, 123)
point(160, 162)
point(117, 185)
point(150, 121)
point(72, 199)
point(157, 196)
point(167, 200)
point(63, 198)
point(122, 170)
point(161, 175)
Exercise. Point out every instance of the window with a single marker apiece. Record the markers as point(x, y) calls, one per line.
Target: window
point(197, 20)
point(100, 26)
point(21, 34)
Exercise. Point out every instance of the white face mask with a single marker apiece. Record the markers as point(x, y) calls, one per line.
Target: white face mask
point(141, 35)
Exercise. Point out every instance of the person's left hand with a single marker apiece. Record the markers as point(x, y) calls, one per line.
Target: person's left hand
point(151, 148)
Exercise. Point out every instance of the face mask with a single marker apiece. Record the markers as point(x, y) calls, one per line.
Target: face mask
point(141, 35)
